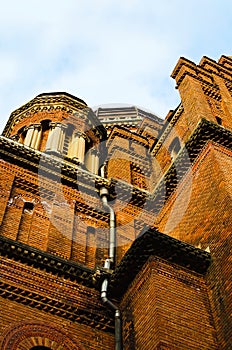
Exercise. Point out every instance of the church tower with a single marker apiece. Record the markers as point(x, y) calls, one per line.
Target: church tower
point(116, 225)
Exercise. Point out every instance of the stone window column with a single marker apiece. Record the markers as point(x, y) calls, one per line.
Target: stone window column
point(56, 135)
point(88, 160)
point(96, 163)
point(77, 147)
point(29, 135)
point(92, 161)
point(21, 138)
point(36, 138)
point(39, 139)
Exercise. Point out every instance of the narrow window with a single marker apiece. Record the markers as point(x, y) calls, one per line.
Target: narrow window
point(28, 207)
point(25, 222)
point(219, 120)
point(45, 125)
point(174, 148)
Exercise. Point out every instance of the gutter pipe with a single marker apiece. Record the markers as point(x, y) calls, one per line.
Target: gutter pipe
point(104, 193)
point(110, 261)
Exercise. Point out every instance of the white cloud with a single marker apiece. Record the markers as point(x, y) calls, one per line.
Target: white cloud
point(105, 51)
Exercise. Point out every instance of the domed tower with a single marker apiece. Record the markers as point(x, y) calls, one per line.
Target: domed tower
point(60, 124)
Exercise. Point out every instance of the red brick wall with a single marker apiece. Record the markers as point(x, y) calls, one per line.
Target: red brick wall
point(57, 290)
point(205, 221)
point(56, 224)
point(167, 307)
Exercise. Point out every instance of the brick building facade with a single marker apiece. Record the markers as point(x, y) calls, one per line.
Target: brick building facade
point(116, 225)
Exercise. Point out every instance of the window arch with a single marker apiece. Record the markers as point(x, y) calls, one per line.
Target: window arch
point(39, 347)
point(25, 222)
point(29, 336)
point(22, 134)
point(28, 207)
point(219, 120)
point(174, 148)
point(45, 127)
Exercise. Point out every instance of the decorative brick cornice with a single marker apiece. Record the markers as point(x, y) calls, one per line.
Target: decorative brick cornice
point(203, 71)
point(154, 243)
point(45, 102)
point(206, 131)
point(69, 270)
point(56, 307)
point(72, 173)
point(43, 260)
point(57, 101)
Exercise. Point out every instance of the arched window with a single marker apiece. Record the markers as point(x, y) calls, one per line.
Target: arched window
point(25, 222)
point(28, 207)
point(67, 138)
point(40, 348)
point(219, 120)
point(174, 148)
point(22, 134)
point(45, 125)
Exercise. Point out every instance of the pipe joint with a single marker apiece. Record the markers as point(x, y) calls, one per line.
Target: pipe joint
point(117, 313)
point(104, 192)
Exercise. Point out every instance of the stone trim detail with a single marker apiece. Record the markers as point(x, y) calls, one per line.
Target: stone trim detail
point(28, 334)
point(43, 260)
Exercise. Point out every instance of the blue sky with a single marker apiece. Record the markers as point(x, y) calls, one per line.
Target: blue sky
point(106, 51)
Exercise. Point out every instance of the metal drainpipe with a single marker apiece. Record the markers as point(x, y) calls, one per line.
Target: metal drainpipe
point(108, 262)
point(112, 239)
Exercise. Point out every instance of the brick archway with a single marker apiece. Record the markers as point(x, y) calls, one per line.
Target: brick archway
point(26, 335)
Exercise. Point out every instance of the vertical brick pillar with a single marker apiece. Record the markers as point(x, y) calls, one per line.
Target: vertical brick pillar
point(226, 101)
point(90, 255)
point(60, 231)
point(12, 218)
point(194, 101)
point(167, 307)
point(6, 184)
point(78, 252)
